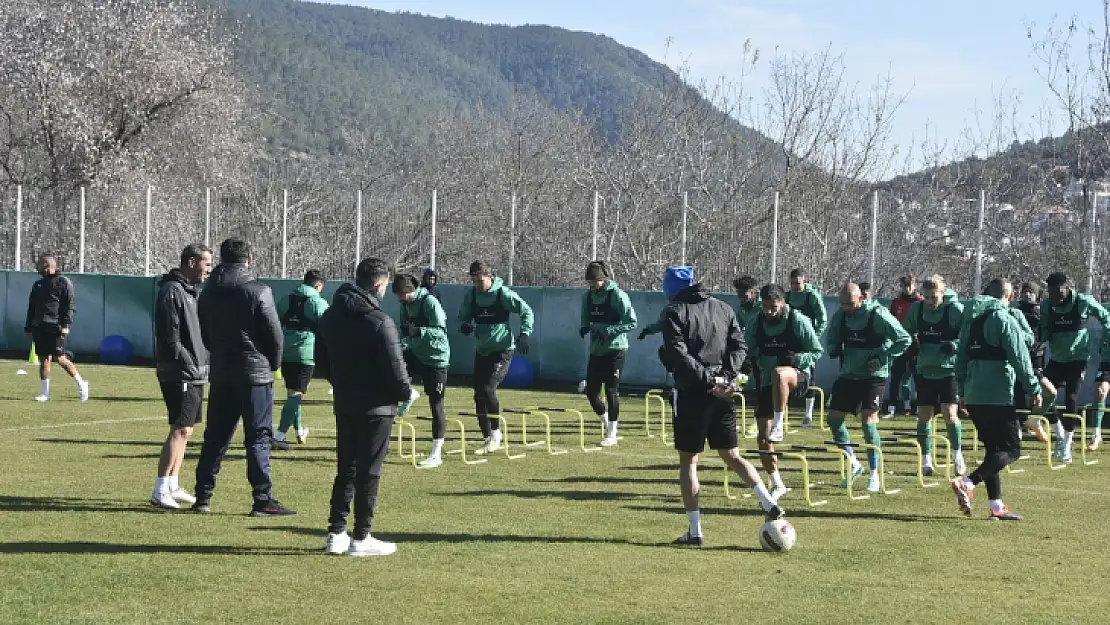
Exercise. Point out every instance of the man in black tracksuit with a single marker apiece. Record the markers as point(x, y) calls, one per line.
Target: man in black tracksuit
point(50, 311)
point(182, 366)
point(703, 344)
point(359, 351)
point(430, 282)
point(241, 329)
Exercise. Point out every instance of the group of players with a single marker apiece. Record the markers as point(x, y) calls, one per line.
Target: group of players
point(985, 360)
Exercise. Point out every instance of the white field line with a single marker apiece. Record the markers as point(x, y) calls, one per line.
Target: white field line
point(79, 424)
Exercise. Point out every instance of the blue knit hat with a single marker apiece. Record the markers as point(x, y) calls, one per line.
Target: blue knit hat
point(676, 279)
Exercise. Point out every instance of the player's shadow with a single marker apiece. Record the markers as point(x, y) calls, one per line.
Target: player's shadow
point(89, 441)
point(800, 513)
point(84, 547)
point(275, 456)
point(568, 495)
point(124, 398)
point(70, 504)
point(444, 538)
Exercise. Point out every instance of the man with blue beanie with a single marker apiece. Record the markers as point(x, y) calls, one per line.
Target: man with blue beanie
point(704, 348)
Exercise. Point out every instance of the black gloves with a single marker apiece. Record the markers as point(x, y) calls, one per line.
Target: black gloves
point(836, 352)
point(467, 329)
point(746, 368)
point(522, 344)
point(643, 335)
point(948, 348)
point(787, 359)
point(583, 331)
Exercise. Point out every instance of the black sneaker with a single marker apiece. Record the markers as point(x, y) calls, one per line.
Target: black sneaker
point(271, 508)
point(927, 471)
point(280, 445)
point(686, 540)
point(202, 507)
point(774, 513)
point(1005, 515)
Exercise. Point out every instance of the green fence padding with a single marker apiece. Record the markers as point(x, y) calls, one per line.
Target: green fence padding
point(91, 307)
point(128, 311)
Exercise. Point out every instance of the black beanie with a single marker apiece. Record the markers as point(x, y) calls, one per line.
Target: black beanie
point(404, 283)
point(597, 270)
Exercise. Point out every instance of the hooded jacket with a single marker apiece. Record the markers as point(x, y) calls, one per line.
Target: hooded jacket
point(359, 352)
point(933, 328)
point(810, 303)
point(179, 350)
point(802, 341)
point(889, 341)
point(431, 288)
point(495, 337)
point(991, 382)
point(240, 327)
point(51, 303)
point(622, 321)
point(300, 345)
point(701, 339)
point(430, 345)
point(1070, 344)
point(1031, 315)
point(746, 314)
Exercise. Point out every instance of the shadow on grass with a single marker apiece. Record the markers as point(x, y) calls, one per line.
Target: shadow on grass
point(71, 504)
point(89, 441)
point(101, 398)
point(432, 537)
point(112, 548)
point(569, 495)
point(801, 513)
point(277, 456)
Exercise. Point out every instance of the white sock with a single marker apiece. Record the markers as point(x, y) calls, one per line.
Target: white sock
point(777, 423)
point(160, 485)
point(611, 431)
point(437, 447)
point(1068, 437)
point(909, 404)
point(78, 379)
point(875, 474)
point(927, 461)
point(776, 479)
point(172, 482)
point(997, 505)
point(765, 500)
point(496, 435)
point(695, 522)
point(604, 417)
point(1058, 430)
point(45, 385)
point(809, 407)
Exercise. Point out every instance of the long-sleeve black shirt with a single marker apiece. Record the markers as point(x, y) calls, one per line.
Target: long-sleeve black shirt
point(51, 303)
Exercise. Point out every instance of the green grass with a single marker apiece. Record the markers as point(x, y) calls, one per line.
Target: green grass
point(577, 538)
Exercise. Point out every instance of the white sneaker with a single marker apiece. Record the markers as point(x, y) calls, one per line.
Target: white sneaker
point(42, 398)
point(180, 495)
point(163, 499)
point(302, 435)
point(83, 390)
point(371, 546)
point(430, 462)
point(491, 445)
point(775, 436)
point(958, 460)
point(778, 489)
point(1096, 440)
point(873, 483)
point(337, 544)
point(610, 439)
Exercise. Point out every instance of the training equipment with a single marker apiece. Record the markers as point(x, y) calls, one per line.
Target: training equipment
point(520, 373)
point(32, 357)
point(777, 535)
point(115, 350)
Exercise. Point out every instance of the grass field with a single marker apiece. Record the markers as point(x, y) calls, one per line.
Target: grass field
point(576, 538)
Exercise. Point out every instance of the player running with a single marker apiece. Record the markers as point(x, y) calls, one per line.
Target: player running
point(427, 352)
point(607, 317)
point(50, 311)
point(300, 314)
point(902, 371)
point(935, 324)
point(808, 301)
point(1029, 305)
point(867, 338)
point(785, 347)
point(992, 355)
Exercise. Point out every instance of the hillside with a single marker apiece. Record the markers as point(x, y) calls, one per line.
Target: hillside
point(316, 66)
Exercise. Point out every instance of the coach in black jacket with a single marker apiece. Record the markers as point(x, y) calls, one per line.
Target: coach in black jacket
point(358, 350)
point(242, 332)
point(182, 366)
point(703, 343)
point(50, 311)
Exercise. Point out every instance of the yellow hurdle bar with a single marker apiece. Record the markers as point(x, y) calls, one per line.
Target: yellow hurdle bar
point(462, 444)
point(649, 399)
point(401, 425)
point(547, 430)
point(882, 470)
point(920, 460)
point(581, 427)
point(505, 438)
point(821, 407)
point(1082, 438)
point(800, 457)
point(845, 475)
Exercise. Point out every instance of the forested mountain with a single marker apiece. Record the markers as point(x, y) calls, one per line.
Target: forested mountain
point(316, 66)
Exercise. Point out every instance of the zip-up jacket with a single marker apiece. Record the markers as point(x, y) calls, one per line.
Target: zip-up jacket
point(51, 303)
point(240, 327)
point(701, 339)
point(179, 349)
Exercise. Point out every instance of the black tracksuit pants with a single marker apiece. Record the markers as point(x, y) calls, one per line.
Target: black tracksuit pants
point(361, 445)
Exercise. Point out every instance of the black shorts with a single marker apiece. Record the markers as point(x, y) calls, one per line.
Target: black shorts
point(297, 376)
point(764, 404)
point(1038, 364)
point(936, 392)
point(49, 341)
point(1103, 372)
point(1060, 372)
point(998, 427)
point(699, 417)
point(184, 402)
point(605, 369)
point(434, 379)
point(854, 396)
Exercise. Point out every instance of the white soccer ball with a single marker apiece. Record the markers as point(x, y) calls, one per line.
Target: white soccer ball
point(778, 535)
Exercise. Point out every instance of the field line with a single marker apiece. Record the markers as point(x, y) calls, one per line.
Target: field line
point(79, 424)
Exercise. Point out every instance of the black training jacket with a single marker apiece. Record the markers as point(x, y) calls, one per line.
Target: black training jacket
point(179, 349)
point(240, 327)
point(358, 350)
point(701, 339)
point(51, 303)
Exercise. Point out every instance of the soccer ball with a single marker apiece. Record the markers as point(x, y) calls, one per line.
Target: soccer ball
point(777, 535)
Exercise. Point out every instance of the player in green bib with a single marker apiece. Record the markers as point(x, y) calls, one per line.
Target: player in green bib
point(808, 301)
point(935, 324)
point(607, 318)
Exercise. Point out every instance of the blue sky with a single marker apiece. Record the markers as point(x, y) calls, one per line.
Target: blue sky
point(951, 58)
